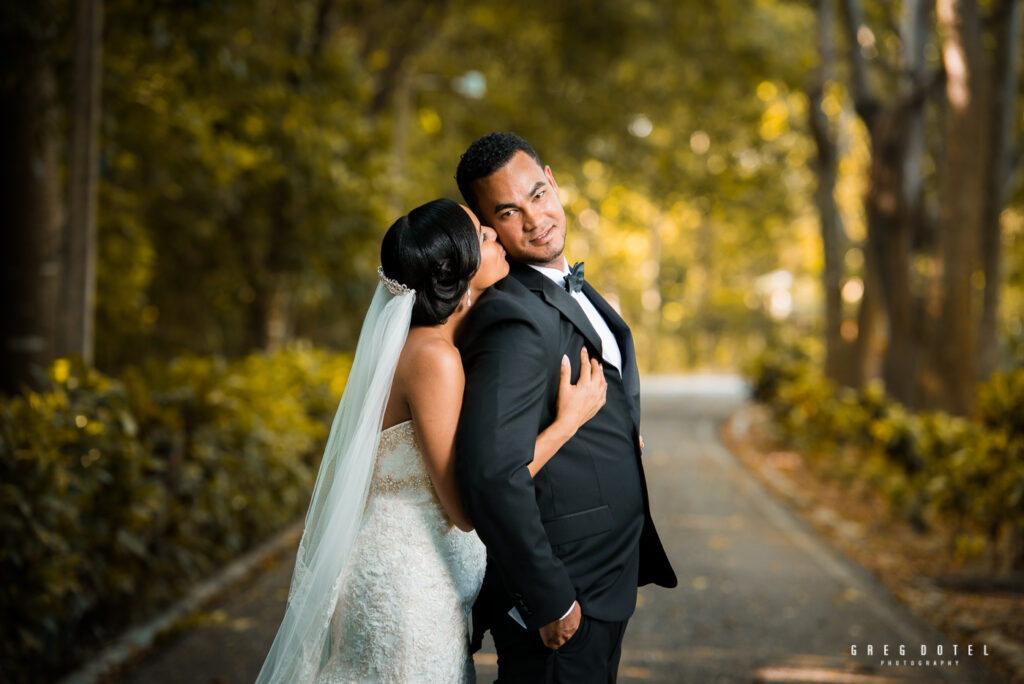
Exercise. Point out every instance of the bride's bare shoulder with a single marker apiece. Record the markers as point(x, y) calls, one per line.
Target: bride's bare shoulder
point(430, 358)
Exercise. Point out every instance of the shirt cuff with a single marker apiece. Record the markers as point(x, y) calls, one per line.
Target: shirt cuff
point(514, 614)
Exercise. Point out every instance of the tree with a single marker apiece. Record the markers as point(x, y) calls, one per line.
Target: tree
point(932, 236)
point(833, 235)
point(1006, 20)
point(250, 171)
point(893, 202)
point(244, 182)
point(78, 272)
point(960, 219)
point(29, 189)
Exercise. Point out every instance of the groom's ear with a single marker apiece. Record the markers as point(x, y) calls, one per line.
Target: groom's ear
point(551, 180)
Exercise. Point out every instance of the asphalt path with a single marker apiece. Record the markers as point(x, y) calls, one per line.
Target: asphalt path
point(761, 598)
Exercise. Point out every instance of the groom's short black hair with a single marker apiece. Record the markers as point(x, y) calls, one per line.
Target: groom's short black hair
point(484, 157)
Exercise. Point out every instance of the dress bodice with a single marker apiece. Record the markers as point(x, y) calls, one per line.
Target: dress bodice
point(399, 470)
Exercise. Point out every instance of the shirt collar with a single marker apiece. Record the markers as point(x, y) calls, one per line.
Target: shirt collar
point(554, 274)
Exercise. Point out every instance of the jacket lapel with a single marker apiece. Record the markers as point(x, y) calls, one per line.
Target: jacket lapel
point(558, 298)
point(630, 374)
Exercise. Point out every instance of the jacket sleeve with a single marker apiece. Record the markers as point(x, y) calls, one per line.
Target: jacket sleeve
point(507, 376)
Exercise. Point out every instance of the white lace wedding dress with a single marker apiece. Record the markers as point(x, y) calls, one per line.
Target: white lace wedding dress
point(403, 612)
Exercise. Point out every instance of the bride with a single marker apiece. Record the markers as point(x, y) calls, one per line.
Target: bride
point(388, 566)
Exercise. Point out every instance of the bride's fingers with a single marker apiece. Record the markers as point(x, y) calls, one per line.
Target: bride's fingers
point(564, 374)
point(602, 385)
point(585, 370)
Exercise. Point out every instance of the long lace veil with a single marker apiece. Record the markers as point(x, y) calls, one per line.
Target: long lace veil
point(339, 496)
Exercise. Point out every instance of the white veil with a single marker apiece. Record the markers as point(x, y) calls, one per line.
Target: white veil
point(342, 483)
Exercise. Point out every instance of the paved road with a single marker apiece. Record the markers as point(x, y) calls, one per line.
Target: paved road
point(761, 599)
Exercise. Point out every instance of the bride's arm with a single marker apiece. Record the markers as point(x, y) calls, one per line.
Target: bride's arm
point(435, 388)
point(434, 391)
point(576, 405)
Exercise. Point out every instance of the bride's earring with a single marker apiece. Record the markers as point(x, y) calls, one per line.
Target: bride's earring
point(469, 297)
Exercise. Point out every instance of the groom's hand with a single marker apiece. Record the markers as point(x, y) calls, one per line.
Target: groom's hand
point(556, 633)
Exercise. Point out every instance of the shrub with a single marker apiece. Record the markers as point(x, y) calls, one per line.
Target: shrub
point(118, 494)
point(968, 472)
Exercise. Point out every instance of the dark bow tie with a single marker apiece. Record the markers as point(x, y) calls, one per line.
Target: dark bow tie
point(574, 281)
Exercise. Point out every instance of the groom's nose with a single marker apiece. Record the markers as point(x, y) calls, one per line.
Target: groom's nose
point(531, 217)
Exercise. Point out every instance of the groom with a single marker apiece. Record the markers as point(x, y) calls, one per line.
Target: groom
point(567, 549)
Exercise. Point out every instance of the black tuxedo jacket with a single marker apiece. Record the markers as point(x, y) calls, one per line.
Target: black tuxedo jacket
point(582, 529)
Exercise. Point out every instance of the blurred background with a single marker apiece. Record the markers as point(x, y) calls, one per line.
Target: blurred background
point(826, 193)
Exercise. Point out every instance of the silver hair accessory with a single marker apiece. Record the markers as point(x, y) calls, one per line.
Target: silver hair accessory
point(393, 286)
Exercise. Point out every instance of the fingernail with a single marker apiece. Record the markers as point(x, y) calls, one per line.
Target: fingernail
point(565, 359)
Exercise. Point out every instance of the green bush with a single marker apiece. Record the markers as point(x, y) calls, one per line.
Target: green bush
point(928, 465)
point(116, 495)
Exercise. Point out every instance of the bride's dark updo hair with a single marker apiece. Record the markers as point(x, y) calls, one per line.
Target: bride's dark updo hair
point(435, 250)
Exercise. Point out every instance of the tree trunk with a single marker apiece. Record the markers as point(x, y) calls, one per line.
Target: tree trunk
point(277, 327)
point(1004, 89)
point(961, 196)
point(889, 243)
point(914, 35)
point(893, 202)
point(913, 87)
point(870, 322)
point(78, 283)
point(29, 191)
point(832, 233)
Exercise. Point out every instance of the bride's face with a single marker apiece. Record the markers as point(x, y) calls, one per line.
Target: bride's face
point(493, 266)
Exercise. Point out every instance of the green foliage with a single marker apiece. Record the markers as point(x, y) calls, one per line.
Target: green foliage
point(676, 208)
point(237, 149)
point(117, 494)
point(251, 158)
point(927, 465)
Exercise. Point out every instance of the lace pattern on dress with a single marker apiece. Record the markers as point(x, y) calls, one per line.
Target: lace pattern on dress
point(402, 613)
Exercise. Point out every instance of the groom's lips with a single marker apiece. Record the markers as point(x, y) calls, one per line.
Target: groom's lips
point(543, 237)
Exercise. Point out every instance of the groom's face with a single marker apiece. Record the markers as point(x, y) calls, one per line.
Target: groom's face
point(520, 201)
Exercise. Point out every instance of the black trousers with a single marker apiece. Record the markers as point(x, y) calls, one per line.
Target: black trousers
point(590, 656)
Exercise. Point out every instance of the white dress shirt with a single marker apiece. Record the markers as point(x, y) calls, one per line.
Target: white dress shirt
point(609, 347)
